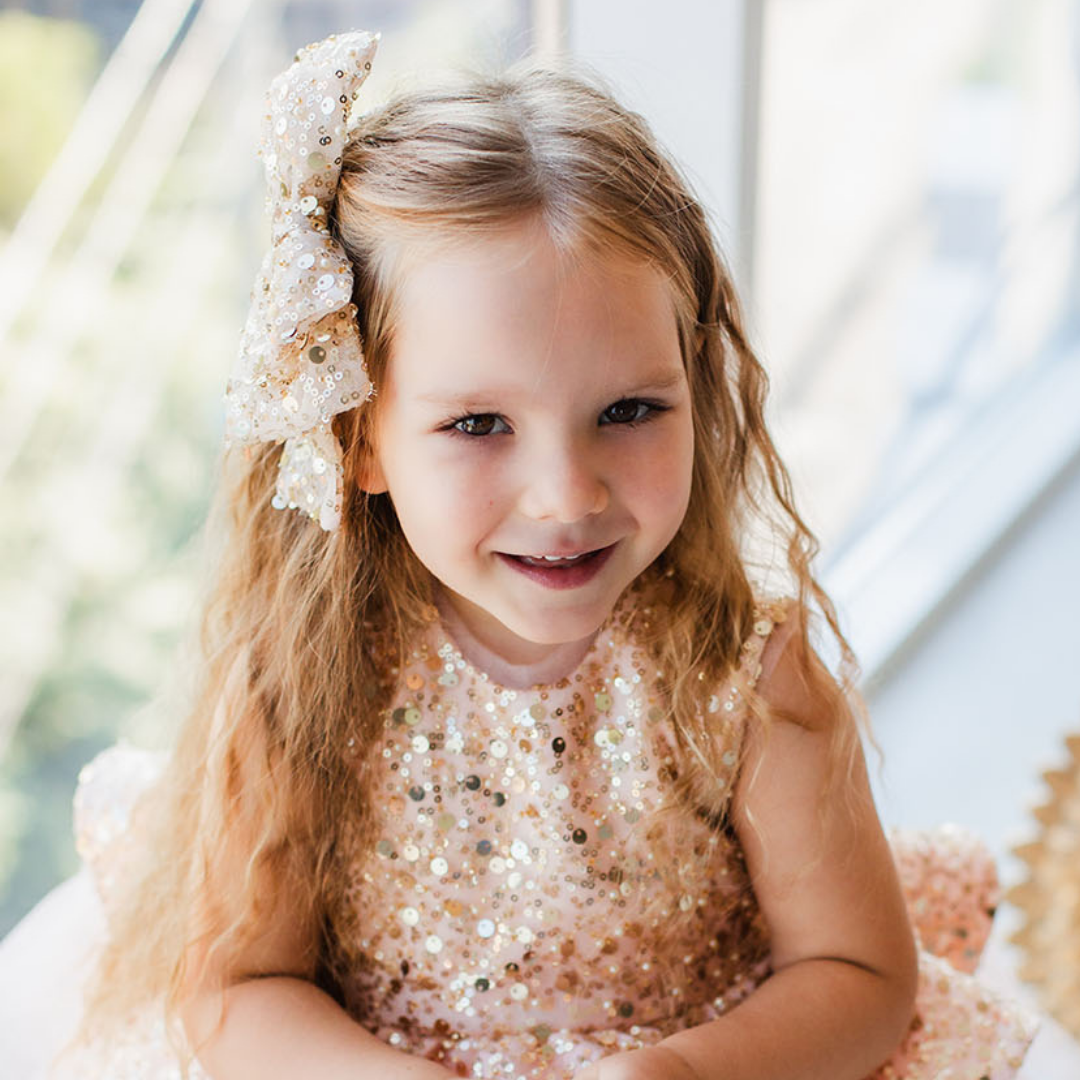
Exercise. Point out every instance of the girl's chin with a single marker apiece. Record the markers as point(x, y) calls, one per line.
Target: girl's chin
point(524, 632)
point(523, 627)
point(553, 629)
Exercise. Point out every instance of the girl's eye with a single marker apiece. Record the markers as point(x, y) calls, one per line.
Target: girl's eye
point(480, 424)
point(629, 411)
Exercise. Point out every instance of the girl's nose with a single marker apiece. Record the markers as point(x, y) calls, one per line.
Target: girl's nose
point(563, 486)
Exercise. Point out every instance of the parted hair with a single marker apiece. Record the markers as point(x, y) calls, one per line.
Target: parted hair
point(302, 628)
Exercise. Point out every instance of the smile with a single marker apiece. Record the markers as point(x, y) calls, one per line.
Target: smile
point(560, 571)
point(563, 560)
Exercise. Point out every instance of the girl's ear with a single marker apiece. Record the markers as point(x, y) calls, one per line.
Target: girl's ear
point(369, 474)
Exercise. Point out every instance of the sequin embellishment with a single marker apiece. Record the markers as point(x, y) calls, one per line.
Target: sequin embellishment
point(533, 941)
point(537, 901)
point(300, 359)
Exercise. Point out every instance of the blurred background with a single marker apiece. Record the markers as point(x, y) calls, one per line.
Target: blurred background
point(896, 186)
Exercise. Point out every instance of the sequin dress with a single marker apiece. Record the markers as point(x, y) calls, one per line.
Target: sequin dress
point(515, 922)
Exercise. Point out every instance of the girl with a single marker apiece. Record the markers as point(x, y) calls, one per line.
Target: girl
point(501, 766)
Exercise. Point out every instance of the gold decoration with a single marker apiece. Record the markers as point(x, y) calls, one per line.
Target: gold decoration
point(1050, 897)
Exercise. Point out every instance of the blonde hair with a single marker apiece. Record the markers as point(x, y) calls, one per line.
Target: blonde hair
point(293, 670)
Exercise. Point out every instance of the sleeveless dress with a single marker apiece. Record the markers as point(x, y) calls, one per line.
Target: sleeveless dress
point(515, 921)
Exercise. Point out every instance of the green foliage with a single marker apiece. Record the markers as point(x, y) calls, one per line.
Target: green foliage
point(46, 69)
point(113, 649)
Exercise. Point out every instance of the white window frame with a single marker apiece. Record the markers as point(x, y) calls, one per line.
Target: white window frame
point(692, 70)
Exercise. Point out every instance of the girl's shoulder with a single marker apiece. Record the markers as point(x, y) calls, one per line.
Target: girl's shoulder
point(775, 621)
point(785, 671)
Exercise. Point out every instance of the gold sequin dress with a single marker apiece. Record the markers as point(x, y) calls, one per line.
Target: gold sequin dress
point(513, 921)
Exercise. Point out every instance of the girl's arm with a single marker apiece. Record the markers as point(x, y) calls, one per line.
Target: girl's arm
point(841, 996)
point(278, 1024)
point(285, 1027)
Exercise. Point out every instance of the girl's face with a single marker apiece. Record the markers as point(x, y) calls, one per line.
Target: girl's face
point(533, 406)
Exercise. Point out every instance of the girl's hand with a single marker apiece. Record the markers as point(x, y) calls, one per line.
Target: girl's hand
point(650, 1063)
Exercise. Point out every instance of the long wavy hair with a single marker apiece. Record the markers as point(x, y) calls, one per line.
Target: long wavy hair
point(302, 627)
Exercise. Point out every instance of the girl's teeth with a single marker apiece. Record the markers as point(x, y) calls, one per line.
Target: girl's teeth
point(540, 560)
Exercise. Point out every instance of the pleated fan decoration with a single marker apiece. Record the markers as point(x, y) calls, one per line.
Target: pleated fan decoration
point(1050, 897)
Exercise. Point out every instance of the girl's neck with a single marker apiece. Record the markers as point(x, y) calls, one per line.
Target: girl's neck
point(532, 665)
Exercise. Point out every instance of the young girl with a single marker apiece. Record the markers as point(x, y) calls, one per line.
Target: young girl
point(501, 764)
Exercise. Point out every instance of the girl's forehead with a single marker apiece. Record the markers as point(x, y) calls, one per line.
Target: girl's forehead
point(516, 301)
point(519, 247)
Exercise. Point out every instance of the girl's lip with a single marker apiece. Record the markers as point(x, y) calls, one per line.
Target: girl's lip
point(561, 577)
point(568, 554)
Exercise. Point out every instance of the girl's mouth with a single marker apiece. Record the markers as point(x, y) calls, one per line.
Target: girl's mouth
point(560, 573)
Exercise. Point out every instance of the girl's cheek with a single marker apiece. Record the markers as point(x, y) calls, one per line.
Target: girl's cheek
point(470, 462)
point(662, 473)
point(467, 479)
point(659, 452)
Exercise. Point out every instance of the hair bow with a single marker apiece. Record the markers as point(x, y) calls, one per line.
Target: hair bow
point(301, 359)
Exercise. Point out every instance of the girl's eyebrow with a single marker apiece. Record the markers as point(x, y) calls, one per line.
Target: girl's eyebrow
point(661, 381)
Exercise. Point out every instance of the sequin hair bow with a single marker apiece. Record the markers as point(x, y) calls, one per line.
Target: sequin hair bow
point(301, 360)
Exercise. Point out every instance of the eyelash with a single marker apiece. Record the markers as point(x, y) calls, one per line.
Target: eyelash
point(655, 408)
